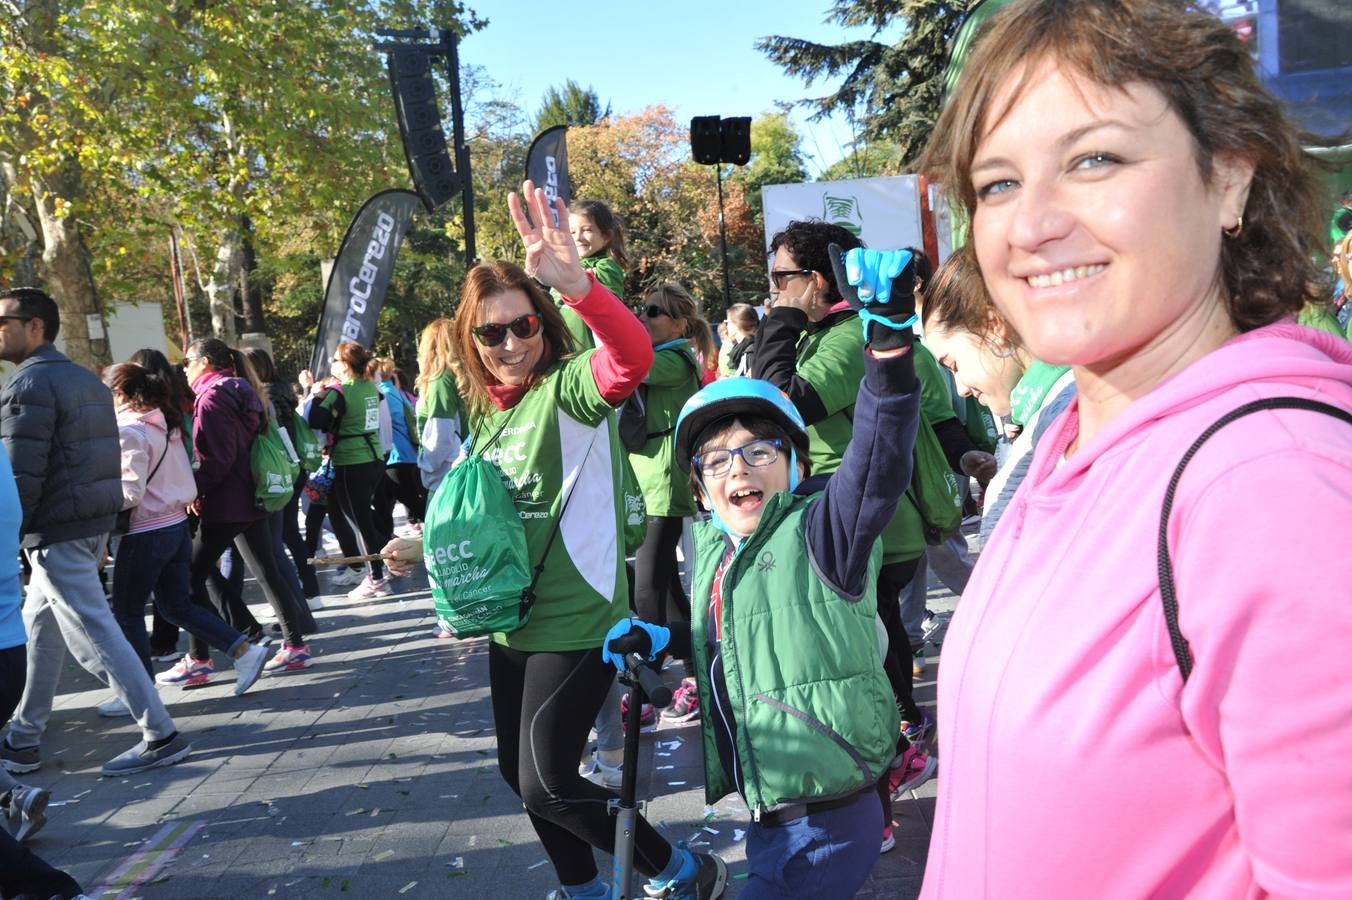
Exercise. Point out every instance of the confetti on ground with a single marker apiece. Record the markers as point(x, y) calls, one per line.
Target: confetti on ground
point(664, 768)
point(356, 812)
point(676, 783)
point(738, 834)
point(711, 830)
point(537, 865)
point(504, 842)
point(408, 887)
point(383, 855)
point(457, 863)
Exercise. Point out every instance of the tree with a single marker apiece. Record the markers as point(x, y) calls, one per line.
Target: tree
point(893, 90)
point(775, 158)
point(573, 105)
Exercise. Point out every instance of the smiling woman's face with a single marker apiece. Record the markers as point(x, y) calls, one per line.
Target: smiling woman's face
point(1094, 229)
point(512, 361)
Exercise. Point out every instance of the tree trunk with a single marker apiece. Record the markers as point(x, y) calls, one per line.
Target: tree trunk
point(251, 293)
point(220, 286)
point(67, 274)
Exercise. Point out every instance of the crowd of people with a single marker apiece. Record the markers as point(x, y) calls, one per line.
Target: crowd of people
point(1126, 375)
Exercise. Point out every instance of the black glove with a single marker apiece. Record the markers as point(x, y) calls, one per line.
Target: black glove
point(880, 284)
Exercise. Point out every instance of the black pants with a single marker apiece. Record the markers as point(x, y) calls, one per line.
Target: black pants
point(295, 544)
point(658, 594)
point(254, 542)
point(22, 873)
point(354, 488)
point(402, 483)
point(897, 664)
point(543, 707)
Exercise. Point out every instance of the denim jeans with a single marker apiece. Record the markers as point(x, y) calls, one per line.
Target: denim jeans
point(65, 608)
point(159, 561)
point(823, 854)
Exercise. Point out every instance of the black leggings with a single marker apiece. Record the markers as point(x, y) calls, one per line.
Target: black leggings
point(254, 542)
point(354, 487)
point(658, 594)
point(402, 483)
point(551, 699)
point(295, 544)
point(897, 664)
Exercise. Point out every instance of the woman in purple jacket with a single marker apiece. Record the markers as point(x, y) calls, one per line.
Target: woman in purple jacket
point(229, 416)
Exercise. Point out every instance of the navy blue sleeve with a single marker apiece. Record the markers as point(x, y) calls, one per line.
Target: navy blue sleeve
point(861, 496)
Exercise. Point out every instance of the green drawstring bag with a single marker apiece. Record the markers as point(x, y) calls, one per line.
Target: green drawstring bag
point(275, 467)
point(475, 549)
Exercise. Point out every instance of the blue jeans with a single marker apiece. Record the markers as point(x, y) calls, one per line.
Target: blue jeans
point(159, 561)
point(823, 854)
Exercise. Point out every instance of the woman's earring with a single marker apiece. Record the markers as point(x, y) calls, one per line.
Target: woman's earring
point(1236, 229)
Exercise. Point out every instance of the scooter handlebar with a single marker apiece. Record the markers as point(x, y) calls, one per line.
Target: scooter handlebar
point(659, 695)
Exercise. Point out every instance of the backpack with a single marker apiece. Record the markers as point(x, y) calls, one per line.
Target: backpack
point(633, 412)
point(309, 447)
point(933, 490)
point(1168, 596)
point(275, 467)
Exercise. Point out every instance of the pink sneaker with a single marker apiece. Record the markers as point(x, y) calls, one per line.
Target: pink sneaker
point(369, 589)
point(889, 839)
point(187, 672)
point(290, 659)
point(647, 721)
point(914, 769)
point(684, 703)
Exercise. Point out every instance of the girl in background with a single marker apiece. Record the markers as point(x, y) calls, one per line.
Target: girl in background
point(599, 238)
point(439, 421)
point(401, 482)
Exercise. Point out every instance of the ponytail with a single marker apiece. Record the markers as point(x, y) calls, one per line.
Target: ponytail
point(697, 330)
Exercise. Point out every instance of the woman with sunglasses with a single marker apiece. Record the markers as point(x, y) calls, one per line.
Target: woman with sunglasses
point(545, 416)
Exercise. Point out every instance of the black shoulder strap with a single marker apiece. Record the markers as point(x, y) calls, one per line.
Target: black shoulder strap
point(1168, 597)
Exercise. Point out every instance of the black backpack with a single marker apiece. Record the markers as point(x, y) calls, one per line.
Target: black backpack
point(633, 417)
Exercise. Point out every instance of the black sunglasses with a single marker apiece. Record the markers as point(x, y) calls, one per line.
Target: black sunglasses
point(779, 276)
point(652, 311)
point(18, 318)
point(494, 333)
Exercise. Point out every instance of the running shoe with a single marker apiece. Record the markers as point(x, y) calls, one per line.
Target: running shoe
point(684, 703)
point(25, 811)
point(918, 662)
point(889, 839)
point(647, 718)
point(290, 659)
point(20, 760)
point(142, 757)
point(114, 709)
point(187, 673)
point(161, 656)
point(935, 626)
point(370, 588)
point(603, 773)
point(248, 667)
point(916, 768)
point(709, 881)
point(347, 576)
point(919, 734)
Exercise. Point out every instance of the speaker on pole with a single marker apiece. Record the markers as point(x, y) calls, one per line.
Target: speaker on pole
point(735, 140)
point(706, 143)
point(425, 147)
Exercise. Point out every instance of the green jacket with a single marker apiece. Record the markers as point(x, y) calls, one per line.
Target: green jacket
point(609, 273)
point(832, 361)
point(672, 380)
point(1318, 315)
point(815, 716)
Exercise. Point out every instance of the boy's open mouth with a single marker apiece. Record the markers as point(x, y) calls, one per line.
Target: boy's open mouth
point(745, 498)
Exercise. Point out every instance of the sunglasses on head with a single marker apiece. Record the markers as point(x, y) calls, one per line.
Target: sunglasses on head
point(494, 333)
point(652, 311)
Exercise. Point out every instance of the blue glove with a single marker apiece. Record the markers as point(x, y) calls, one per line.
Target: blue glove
point(867, 279)
point(633, 636)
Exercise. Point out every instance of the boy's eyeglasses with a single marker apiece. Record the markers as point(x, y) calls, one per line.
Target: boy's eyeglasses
point(652, 311)
point(758, 453)
point(494, 333)
point(779, 277)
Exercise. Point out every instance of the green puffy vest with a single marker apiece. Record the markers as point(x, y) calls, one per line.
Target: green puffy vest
point(815, 715)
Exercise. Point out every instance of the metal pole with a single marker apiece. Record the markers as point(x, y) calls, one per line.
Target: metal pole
point(723, 239)
point(450, 51)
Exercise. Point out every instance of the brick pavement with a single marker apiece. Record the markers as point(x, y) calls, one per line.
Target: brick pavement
point(373, 774)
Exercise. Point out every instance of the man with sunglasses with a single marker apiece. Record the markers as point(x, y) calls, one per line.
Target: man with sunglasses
point(60, 432)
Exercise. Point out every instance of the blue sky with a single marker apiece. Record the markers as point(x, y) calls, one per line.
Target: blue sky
point(695, 56)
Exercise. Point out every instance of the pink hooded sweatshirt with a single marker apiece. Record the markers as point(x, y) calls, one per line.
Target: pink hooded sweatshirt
point(1076, 763)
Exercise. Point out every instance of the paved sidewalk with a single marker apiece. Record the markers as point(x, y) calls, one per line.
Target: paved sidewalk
point(373, 774)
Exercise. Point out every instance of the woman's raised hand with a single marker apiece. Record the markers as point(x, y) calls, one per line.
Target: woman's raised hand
point(551, 255)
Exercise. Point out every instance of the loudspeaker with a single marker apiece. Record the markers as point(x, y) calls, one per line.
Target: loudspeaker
point(735, 135)
point(706, 143)
point(415, 105)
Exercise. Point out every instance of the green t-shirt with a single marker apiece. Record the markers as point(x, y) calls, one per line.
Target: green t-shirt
point(832, 361)
point(674, 377)
point(439, 400)
point(611, 276)
point(562, 437)
point(358, 437)
point(935, 400)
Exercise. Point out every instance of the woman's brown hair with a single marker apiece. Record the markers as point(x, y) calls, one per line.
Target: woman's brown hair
point(956, 300)
point(678, 303)
point(355, 357)
point(1207, 76)
point(145, 390)
point(436, 352)
point(485, 280)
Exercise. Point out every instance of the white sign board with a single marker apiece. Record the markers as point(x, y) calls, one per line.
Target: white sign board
point(883, 212)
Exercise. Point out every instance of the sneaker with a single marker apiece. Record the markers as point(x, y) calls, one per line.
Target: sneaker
point(315, 603)
point(647, 719)
point(370, 588)
point(916, 768)
point(603, 773)
point(918, 662)
point(708, 883)
point(919, 734)
point(934, 626)
point(347, 576)
point(25, 811)
point(141, 758)
point(889, 839)
point(290, 659)
point(188, 673)
point(684, 704)
point(248, 667)
point(114, 709)
point(20, 760)
point(170, 655)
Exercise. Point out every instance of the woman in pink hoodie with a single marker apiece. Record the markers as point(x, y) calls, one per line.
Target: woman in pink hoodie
point(155, 552)
point(1143, 212)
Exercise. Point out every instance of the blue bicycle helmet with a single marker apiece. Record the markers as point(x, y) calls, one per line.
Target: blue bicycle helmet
point(729, 397)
